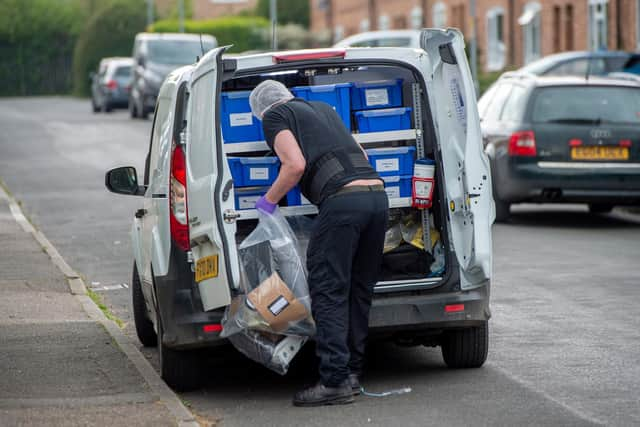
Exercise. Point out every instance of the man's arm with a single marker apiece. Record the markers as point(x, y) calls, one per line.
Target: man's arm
point(292, 165)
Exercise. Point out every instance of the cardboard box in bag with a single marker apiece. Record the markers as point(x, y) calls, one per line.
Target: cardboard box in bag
point(276, 303)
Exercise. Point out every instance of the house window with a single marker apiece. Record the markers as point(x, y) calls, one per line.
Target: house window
point(530, 23)
point(383, 23)
point(364, 25)
point(495, 39)
point(416, 18)
point(598, 28)
point(557, 30)
point(568, 27)
point(439, 15)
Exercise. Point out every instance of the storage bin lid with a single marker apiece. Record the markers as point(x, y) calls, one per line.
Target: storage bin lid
point(391, 150)
point(383, 112)
point(236, 94)
point(322, 88)
point(378, 83)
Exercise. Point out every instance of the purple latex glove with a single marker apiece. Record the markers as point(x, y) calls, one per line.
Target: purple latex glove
point(265, 206)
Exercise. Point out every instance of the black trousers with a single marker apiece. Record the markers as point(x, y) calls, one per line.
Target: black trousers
point(343, 259)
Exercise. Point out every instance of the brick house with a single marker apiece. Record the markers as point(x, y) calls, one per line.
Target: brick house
point(209, 9)
point(510, 33)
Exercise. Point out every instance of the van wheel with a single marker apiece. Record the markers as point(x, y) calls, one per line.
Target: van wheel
point(600, 208)
point(133, 111)
point(94, 107)
point(466, 348)
point(503, 210)
point(144, 327)
point(180, 369)
point(144, 113)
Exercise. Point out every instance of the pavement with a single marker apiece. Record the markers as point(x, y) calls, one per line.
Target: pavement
point(60, 364)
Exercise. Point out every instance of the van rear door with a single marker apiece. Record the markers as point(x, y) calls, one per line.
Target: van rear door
point(209, 188)
point(466, 168)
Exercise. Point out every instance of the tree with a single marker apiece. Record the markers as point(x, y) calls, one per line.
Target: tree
point(289, 11)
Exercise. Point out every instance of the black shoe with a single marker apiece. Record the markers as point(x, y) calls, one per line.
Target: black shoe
point(319, 395)
point(354, 382)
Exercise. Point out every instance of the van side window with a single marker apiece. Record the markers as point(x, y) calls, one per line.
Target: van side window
point(494, 109)
point(159, 120)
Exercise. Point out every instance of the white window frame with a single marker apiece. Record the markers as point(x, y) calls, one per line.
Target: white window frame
point(415, 17)
point(598, 34)
point(365, 25)
point(439, 13)
point(496, 51)
point(384, 23)
point(531, 24)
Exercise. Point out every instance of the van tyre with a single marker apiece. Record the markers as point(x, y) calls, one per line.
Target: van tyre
point(133, 111)
point(180, 369)
point(94, 107)
point(600, 208)
point(503, 210)
point(466, 348)
point(144, 327)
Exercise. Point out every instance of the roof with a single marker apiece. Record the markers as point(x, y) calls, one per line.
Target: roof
point(412, 34)
point(544, 81)
point(173, 36)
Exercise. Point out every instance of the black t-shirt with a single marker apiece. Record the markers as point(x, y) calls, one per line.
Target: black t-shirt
point(318, 130)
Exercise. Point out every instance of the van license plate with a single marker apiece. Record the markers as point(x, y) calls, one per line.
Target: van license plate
point(206, 268)
point(600, 153)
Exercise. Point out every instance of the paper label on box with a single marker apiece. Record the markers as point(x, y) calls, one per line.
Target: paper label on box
point(247, 202)
point(376, 97)
point(278, 305)
point(241, 119)
point(393, 192)
point(387, 165)
point(258, 173)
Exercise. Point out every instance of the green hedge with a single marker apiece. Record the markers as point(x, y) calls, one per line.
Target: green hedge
point(36, 43)
point(243, 32)
point(109, 32)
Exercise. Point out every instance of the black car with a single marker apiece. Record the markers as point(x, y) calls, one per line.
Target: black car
point(562, 140)
point(111, 84)
point(581, 63)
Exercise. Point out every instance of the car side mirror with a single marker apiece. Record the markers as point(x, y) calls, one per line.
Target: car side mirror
point(124, 180)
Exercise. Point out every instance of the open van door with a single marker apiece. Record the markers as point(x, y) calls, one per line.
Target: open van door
point(466, 168)
point(209, 188)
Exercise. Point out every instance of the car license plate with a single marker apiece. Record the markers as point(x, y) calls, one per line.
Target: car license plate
point(600, 153)
point(206, 268)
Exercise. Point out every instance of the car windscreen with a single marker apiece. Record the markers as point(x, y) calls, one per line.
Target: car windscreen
point(178, 52)
point(124, 71)
point(586, 104)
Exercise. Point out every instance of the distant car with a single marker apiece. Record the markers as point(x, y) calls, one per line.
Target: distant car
point(391, 38)
point(111, 84)
point(562, 140)
point(581, 63)
point(155, 56)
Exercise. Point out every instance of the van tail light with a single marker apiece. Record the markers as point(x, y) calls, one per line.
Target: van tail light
point(523, 144)
point(304, 55)
point(112, 84)
point(179, 224)
point(575, 142)
point(625, 143)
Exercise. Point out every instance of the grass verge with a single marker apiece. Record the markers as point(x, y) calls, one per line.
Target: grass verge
point(97, 299)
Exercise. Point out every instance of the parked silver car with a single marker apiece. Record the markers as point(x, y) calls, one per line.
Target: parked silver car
point(111, 84)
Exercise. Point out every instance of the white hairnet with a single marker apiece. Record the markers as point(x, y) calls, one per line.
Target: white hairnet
point(266, 95)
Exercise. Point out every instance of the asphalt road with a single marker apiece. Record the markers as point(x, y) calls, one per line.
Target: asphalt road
point(565, 332)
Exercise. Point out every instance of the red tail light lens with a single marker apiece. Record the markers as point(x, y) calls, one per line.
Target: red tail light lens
point(308, 55)
point(625, 143)
point(112, 84)
point(179, 223)
point(523, 144)
point(575, 142)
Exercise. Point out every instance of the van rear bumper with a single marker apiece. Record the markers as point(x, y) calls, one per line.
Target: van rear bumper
point(422, 312)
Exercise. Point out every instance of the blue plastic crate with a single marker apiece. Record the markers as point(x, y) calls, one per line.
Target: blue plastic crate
point(376, 94)
point(246, 198)
point(336, 95)
point(253, 171)
point(238, 124)
point(295, 197)
point(396, 161)
point(383, 120)
point(397, 186)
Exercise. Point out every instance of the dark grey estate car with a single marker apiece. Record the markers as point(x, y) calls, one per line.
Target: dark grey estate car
point(562, 139)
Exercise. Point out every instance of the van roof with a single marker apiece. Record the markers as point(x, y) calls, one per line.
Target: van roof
point(174, 36)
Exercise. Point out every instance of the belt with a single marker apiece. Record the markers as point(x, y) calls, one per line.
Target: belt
point(357, 189)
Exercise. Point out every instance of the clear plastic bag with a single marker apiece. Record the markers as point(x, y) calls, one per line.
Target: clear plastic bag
point(275, 299)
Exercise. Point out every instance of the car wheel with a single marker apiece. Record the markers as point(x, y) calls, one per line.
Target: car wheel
point(466, 348)
point(144, 327)
point(94, 107)
point(180, 369)
point(133, 111)
point(503, 210)
point(106, 107)
point(144, 113)
point(600, 208)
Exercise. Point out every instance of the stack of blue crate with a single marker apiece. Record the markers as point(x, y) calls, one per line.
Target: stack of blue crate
point(395, 167)
point(336, 95)
point(377, 106)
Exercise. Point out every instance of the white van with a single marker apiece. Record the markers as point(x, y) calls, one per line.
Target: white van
point(186, 232)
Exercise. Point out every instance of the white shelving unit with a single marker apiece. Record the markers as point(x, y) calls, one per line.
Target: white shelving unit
point(362, 138)
point(311, 209)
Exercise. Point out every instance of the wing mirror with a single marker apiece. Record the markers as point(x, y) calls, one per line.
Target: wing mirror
point(124, 180)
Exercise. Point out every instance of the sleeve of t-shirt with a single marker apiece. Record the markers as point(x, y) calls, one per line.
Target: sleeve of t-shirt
point(272, 123)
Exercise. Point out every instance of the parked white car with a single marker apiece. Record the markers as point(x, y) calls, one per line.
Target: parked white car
point(194, 210)
point(387, 38)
